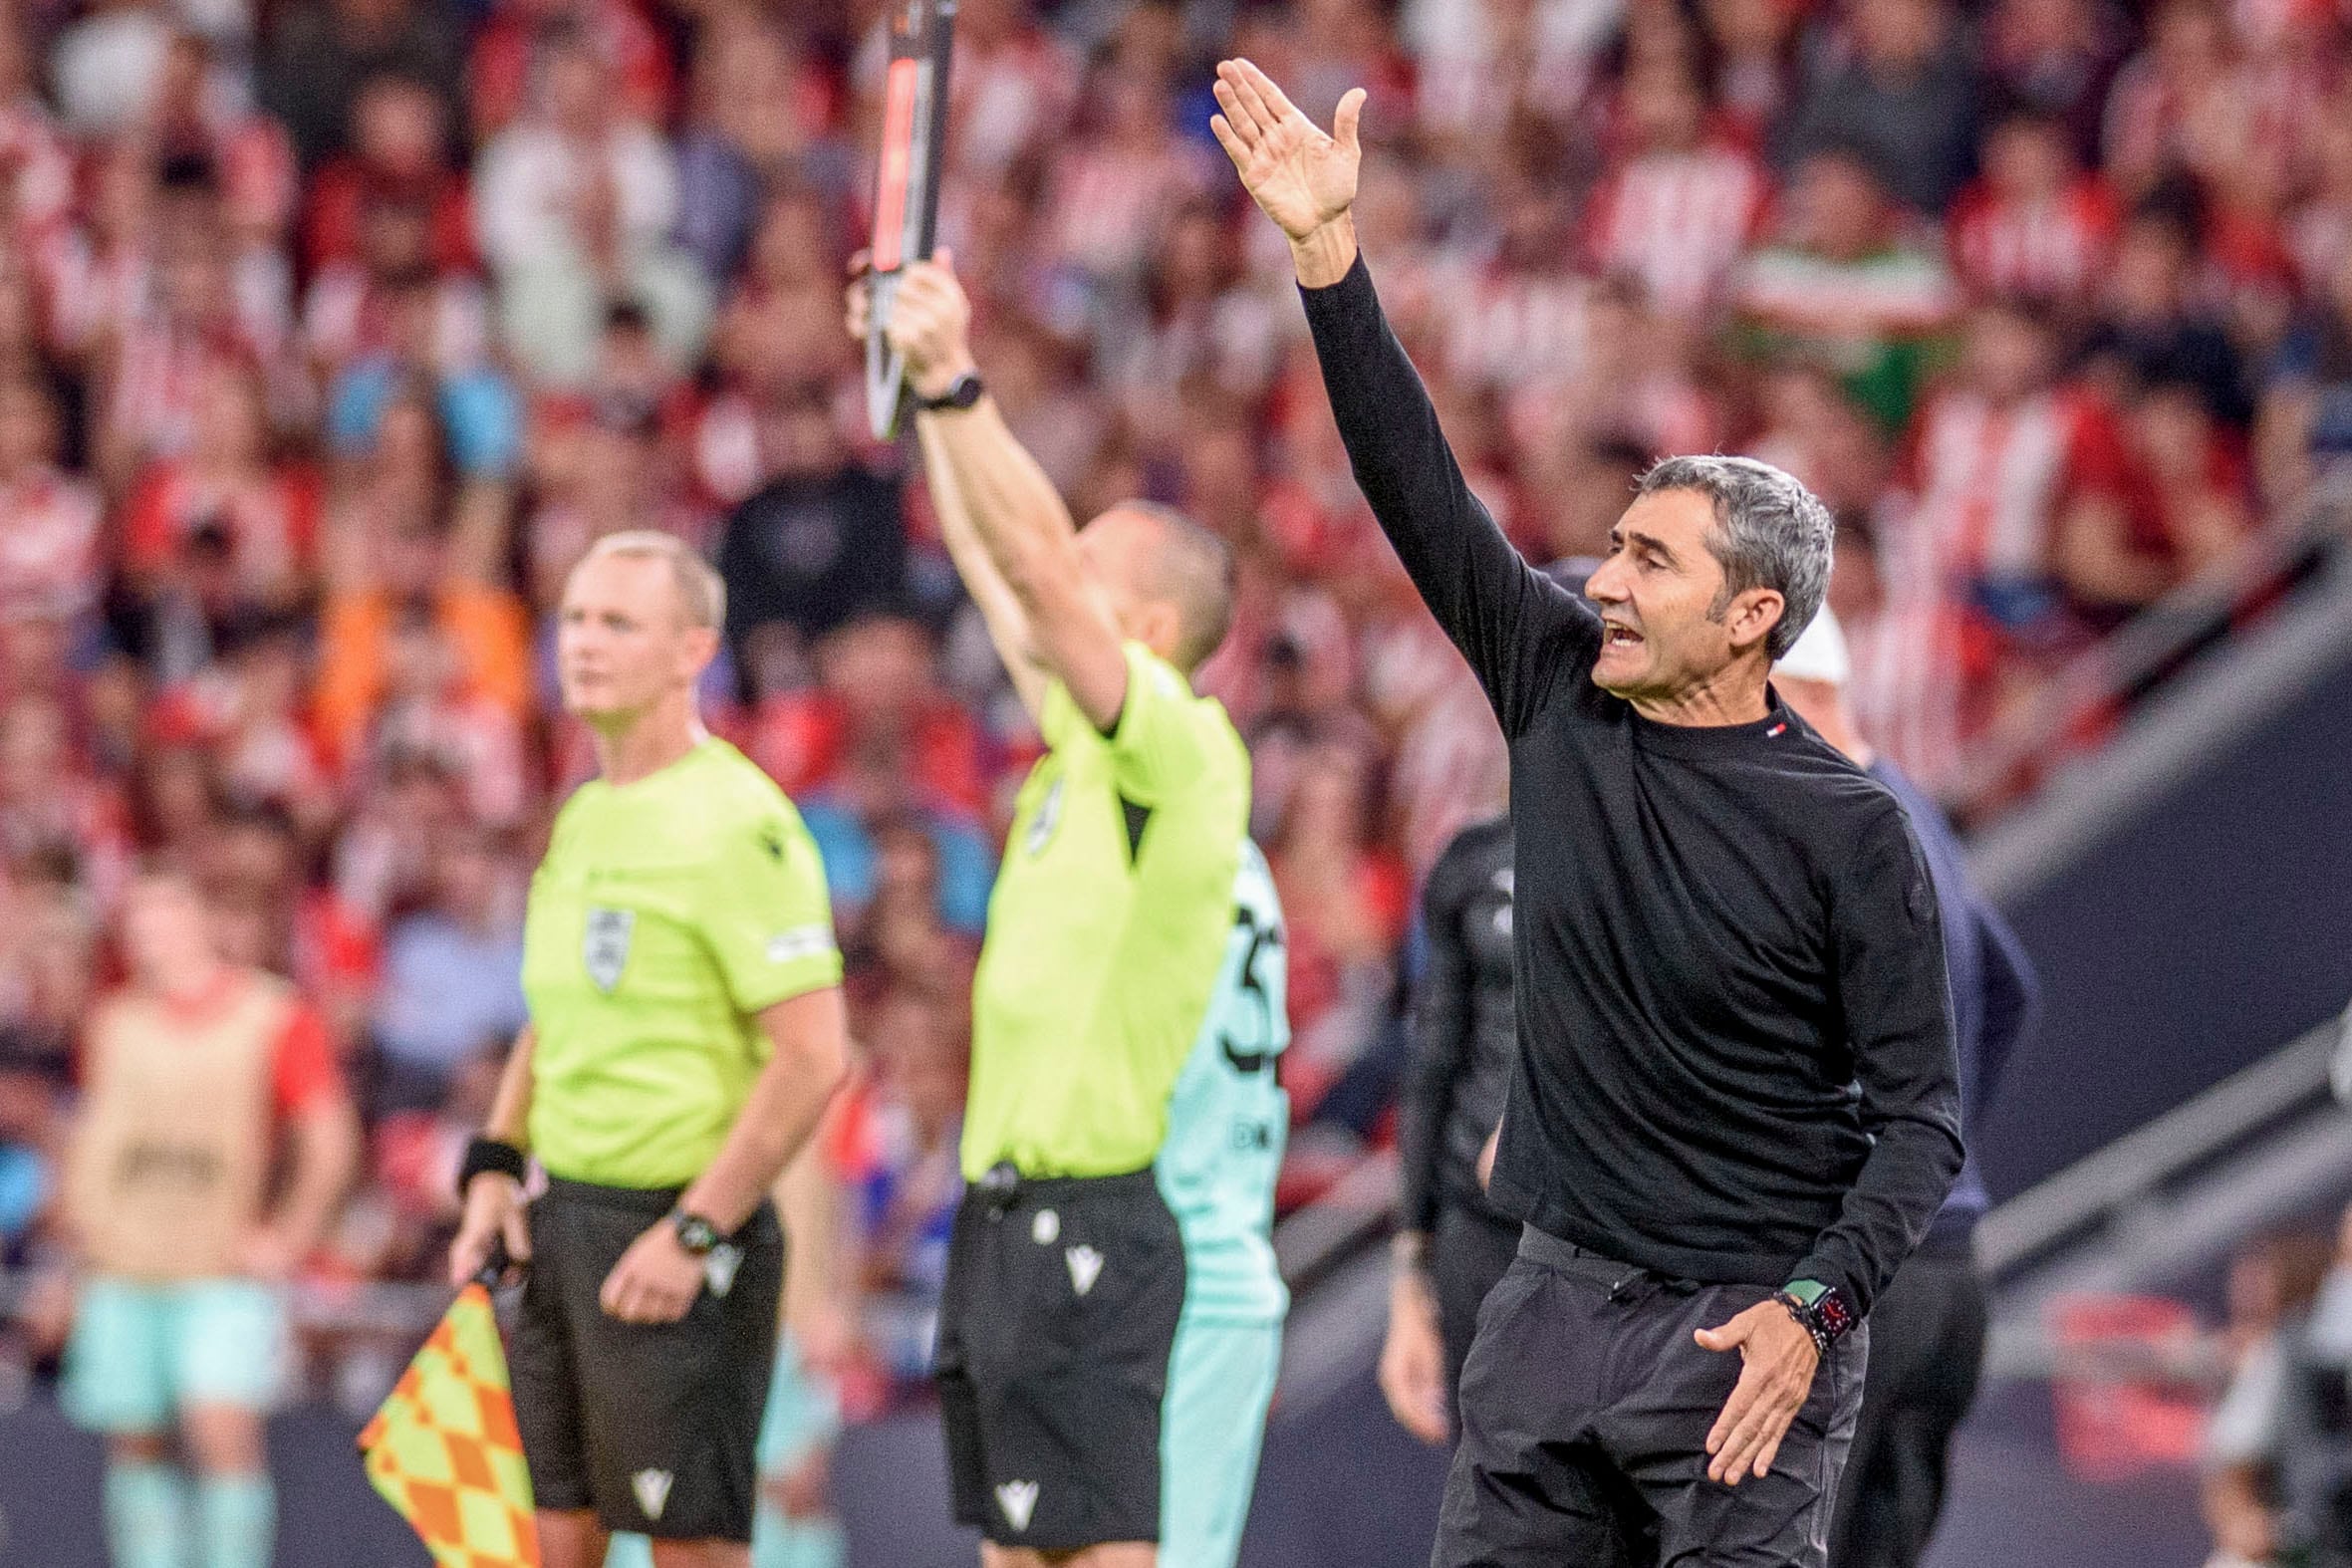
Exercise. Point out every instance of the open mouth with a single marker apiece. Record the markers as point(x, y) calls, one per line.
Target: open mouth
point(1614, 635)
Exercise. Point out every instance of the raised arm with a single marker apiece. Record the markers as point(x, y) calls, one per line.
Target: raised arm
point(985, 478)
point(1517, 626)
point(1001, 612)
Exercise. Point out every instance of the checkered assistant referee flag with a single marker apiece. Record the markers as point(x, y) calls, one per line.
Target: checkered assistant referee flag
point(444, 1451)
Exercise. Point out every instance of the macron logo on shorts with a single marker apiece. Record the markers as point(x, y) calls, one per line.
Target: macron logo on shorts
point(1086, 1266)
point(653, 1490)
point(1018, 1499)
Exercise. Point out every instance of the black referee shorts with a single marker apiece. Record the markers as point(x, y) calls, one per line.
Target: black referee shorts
point(654, 1426)
point(1055, 1331)
point(1586, 1406)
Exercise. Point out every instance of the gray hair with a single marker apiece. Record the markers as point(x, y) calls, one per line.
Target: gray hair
point(1770, 532)
point(702, 591)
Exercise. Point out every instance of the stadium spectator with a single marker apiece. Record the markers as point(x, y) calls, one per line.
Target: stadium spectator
point(573, 208)
point(452, 986)
point(761, 110)
point(2163, 505)
point(1900, 91)
point(1843, 287)
point(1676, 206)
point(50, 562)
point(324, 51)
point(485, 630)
point(2035, 226)
point(2151, 326)
point(2057, 58)
point(820, 541)
point(399, 136)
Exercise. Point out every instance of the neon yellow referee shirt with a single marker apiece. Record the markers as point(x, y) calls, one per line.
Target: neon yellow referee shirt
point(1106, 929)
point(668, 914)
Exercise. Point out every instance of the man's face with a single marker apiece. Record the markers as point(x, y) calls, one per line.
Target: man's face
point(1656, 591)
point(623, 642)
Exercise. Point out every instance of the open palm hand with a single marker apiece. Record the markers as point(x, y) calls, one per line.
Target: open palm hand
point(1301, 177)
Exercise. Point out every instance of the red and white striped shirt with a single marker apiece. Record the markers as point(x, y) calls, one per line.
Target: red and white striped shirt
point(1517, 329)
point(1989, 482)
point(2052, 248)
point(49, 560)
point(1678, 221)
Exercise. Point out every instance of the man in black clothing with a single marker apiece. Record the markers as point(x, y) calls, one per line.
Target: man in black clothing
point(822, 542)
point(1453, 1243)
point(1927, 1332)
point(1734, 1110)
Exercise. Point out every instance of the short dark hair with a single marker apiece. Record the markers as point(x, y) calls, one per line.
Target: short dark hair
point(1770, 532)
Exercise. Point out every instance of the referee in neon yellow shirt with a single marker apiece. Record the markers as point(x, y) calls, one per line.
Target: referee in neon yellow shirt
point(1061, 1356)
point(685, 1033)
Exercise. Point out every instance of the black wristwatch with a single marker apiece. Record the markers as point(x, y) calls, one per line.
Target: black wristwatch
point(1820, 1310)
point(962, 393)
point(696, 1234)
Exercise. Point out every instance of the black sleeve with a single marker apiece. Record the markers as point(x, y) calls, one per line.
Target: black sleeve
point(1520, 629)
point(1896, 1007)
point(2013, 1002)
point(1440, 1036)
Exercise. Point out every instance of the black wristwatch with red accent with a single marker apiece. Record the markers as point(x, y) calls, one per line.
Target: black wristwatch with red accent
point(1820, 1310)
point(695, 1233)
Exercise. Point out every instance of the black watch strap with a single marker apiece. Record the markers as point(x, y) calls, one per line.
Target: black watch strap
point(696, 1234)
point(962, 393)
point(1820, 1310)
point(489, 1156)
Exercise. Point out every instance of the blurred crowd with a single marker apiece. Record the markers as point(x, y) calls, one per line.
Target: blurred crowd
point(332, 332)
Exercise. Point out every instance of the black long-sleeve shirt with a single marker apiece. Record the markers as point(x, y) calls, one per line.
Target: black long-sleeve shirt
point(1736, 1053)
point(1995, 995)
point(1465, 1026)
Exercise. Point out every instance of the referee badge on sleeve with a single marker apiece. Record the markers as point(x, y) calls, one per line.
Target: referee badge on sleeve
point(603, 948)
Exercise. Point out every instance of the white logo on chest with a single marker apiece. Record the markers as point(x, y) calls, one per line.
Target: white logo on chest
point(1018, 1499)
point(1086, 1266)
point(603, 946)
point(653, 1490)
point(1048, 818)
point(1046, 1228)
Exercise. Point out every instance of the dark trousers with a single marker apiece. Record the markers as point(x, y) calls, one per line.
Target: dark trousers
point(1586, 1406)
point(1470, 1251)
point(1927, 1335)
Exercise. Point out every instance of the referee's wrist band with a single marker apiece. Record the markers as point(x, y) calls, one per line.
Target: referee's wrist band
point(490, 1156)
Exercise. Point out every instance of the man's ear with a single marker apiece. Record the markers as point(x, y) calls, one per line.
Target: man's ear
point(700, 647)
point(1754, 613)
point(1162, 628)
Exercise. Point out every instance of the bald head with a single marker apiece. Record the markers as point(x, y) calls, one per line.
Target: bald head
point(1162, 560)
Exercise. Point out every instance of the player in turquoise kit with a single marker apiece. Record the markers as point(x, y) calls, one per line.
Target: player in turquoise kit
point(1226, 1125)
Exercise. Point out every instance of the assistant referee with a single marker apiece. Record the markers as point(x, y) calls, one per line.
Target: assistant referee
point(685, 1034)
point(1074, 1378)
point(1734, 1108)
